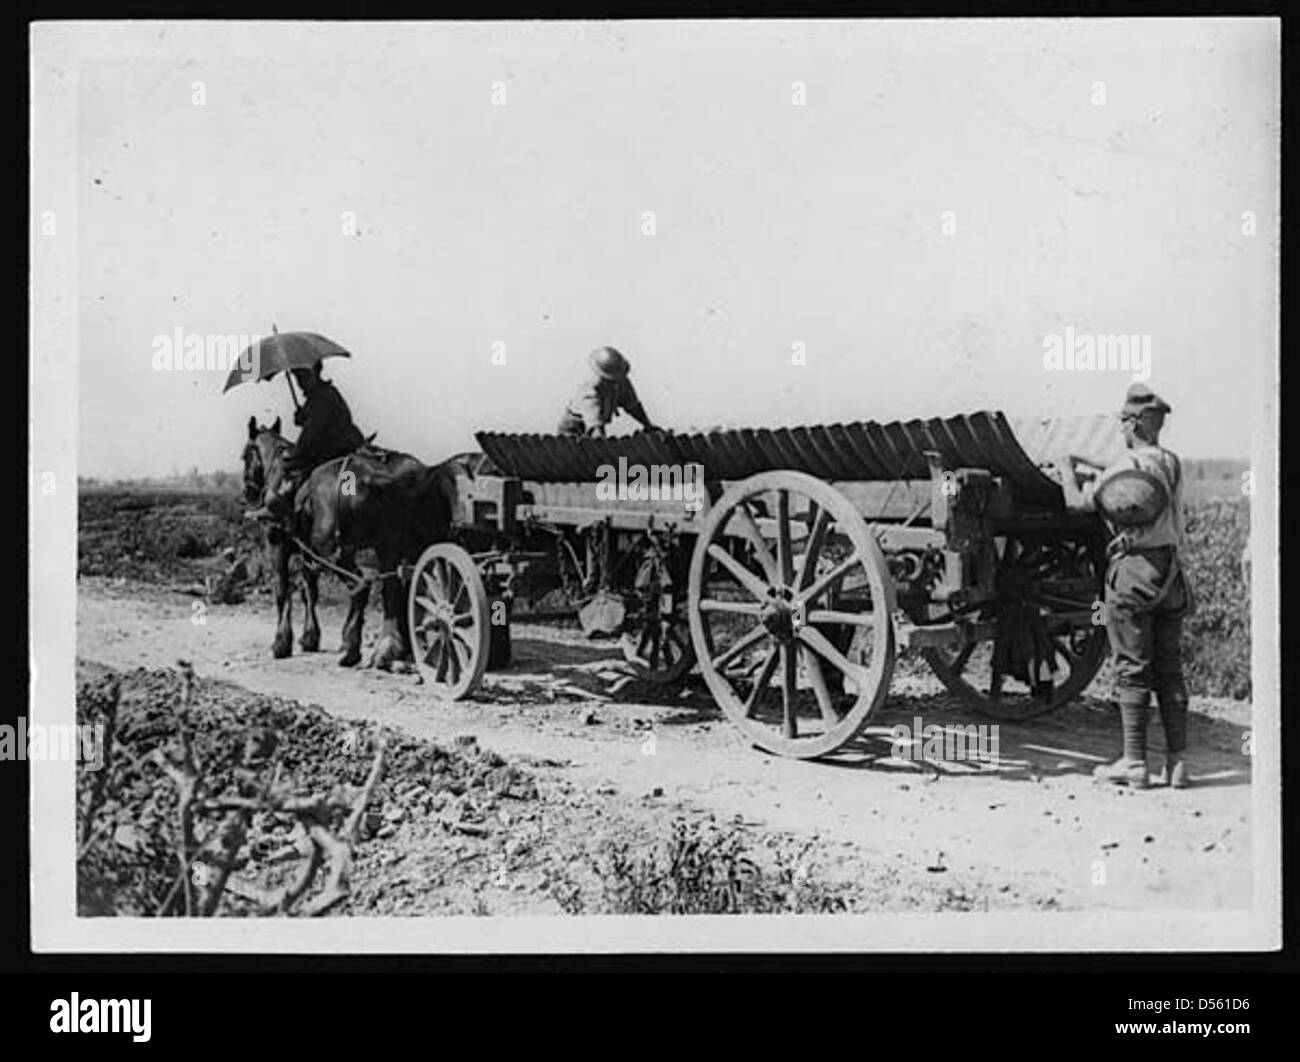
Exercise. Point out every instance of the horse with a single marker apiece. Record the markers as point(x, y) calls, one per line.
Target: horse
point(369, 499)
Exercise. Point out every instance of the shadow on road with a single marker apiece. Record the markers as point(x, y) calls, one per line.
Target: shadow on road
point(1072, 740)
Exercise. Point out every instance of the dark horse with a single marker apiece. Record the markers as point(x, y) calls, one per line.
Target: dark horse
point(371, 499)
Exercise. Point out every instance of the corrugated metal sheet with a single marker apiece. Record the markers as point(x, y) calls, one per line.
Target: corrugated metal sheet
point(864, 451)
point(1096, 438)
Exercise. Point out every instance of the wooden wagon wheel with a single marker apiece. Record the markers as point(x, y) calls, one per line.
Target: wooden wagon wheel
point(787, 581)
point(449, 622)
point(657, 636)
point(1050, 640)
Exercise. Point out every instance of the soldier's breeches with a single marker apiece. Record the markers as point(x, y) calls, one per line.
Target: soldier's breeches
point(1145, 634)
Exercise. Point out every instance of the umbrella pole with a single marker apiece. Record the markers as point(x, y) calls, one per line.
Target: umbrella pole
point(288, 378)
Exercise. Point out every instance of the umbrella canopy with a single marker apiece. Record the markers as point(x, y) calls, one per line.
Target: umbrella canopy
point(279, 352)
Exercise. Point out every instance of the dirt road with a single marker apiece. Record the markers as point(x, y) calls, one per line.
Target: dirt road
point(1034, 833)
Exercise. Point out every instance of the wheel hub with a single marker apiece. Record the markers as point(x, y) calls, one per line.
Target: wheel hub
point(777, 617)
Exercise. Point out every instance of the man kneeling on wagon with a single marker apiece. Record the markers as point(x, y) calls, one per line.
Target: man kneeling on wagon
point(604, 394)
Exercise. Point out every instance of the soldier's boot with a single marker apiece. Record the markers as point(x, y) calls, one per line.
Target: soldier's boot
point(1131, 768)
point(1173, 717)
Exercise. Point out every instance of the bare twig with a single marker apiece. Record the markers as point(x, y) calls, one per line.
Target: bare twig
point(96, 797)
point(219, 849)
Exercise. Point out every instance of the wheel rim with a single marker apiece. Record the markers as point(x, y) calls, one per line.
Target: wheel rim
point(448, 617)
point(1044, 586)
point(791, 613)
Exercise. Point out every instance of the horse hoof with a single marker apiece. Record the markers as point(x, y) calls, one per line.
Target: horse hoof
point(309, 645)
point(282, 649)
point(351, 659)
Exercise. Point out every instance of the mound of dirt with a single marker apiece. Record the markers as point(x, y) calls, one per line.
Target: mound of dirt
point(240, 740)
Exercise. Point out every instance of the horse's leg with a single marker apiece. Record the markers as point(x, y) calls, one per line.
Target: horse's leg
point(356, 612)
point(310, 641)
point(283, 644)
point(392, 642)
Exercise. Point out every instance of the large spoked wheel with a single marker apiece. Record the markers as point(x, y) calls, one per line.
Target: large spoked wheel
point(448, 614)
point(791, 613)
point(1049, 641)
point(657, 634)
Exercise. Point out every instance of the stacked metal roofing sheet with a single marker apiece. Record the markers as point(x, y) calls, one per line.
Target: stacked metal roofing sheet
point(862, 451)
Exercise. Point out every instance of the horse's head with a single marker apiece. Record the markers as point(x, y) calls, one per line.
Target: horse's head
point(259, 451)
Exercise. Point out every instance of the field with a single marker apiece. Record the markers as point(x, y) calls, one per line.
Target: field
point(565, 787)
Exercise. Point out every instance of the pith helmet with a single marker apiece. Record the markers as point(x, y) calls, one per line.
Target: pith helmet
point(609, 363)
point(1141, 399)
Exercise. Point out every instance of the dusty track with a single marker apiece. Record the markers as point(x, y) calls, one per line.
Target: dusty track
point(1034, 834)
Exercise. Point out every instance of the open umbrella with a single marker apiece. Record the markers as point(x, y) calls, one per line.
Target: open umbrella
point(280, 352)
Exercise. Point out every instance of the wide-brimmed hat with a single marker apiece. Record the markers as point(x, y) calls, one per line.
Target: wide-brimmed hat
point(1141, 399)
point(609, 363)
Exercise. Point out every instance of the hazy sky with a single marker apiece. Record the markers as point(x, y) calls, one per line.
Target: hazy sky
point(775, 224)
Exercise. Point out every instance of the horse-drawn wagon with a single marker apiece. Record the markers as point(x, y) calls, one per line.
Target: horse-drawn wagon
point(790, 565)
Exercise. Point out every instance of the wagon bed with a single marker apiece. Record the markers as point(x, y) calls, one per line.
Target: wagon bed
point(813, 556)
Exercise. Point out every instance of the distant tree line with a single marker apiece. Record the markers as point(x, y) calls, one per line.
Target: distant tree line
point(194, 481)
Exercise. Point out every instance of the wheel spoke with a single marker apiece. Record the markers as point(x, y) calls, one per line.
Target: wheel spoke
point(760, 684)
point(960, 661)
point(789, 687)
point(815, 640)
point(808, 563)
point(750, 532)
point(439, 582)
point(806, 597)
point(855, 619)
point(743, 608)
point(784, 559)
point(1062, 649)
point(426, 653)
point(454, 661)
point(743, 575)
point(752, 637)
point(460, 643)
point(818, 681)
point(431, 588)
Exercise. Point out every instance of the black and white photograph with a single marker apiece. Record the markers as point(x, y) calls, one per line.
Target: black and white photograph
point(625, 486)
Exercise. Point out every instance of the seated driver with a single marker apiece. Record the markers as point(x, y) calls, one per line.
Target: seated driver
point(327, 433)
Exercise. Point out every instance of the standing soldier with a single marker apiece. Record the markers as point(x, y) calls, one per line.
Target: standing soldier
point(605, 393)
point(1147, 593)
